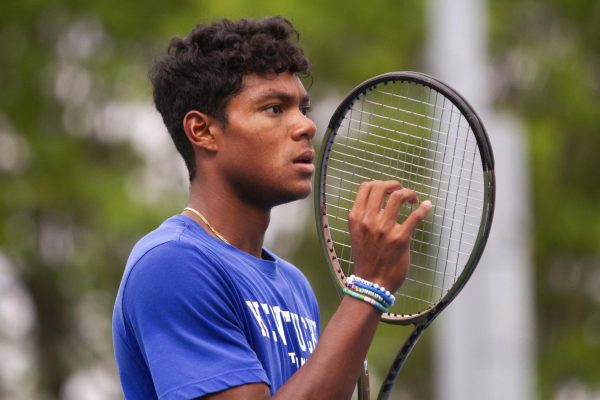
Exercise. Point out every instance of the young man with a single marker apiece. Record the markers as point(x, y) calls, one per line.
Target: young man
point(203, 310)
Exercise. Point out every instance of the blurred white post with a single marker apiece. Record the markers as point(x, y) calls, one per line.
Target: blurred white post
point(484, 341)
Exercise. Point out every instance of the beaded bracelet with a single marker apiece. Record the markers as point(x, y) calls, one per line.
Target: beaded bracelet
point(366, 299)
point(371, 286)
point(356, 280)
point(389, 299)
point(369, 293)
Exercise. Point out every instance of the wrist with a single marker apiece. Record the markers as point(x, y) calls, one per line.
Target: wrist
point(366, 299)
point(369, 292)
point(390, 284)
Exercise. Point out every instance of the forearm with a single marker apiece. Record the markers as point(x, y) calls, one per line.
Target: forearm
point(333, 368)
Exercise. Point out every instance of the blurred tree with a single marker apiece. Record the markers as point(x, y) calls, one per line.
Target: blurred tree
point(69, 208)
point(75, 196)
point(546, 58)
point(76, 147)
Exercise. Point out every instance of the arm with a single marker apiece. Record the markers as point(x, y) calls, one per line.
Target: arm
point(381, 253)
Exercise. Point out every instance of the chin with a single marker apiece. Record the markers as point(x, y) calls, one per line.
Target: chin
point(299, 194)
point(305, 191)
point(304, 194)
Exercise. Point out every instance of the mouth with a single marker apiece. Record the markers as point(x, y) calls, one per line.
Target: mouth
point(305, 157)
point(304, 162)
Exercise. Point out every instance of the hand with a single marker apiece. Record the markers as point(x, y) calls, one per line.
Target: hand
point(380, 245)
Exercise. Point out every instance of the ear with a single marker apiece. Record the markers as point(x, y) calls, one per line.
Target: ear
point(200, 130)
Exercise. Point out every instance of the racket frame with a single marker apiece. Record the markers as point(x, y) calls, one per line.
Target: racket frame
point(487, 159)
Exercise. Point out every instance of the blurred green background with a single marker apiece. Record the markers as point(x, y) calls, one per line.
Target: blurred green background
point(86, 168)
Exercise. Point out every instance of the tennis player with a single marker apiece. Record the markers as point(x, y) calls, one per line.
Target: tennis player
point(203, 310)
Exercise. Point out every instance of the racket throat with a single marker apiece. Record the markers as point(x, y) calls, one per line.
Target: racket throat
point(394, 371)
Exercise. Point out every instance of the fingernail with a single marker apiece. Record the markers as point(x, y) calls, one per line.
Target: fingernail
point(427, 204)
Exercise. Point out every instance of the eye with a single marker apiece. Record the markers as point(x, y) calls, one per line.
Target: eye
point(306, 110)
point(275, 109)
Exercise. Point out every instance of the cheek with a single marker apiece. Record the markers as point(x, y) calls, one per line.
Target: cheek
point(266, 155)
point(256, 167)
point(258, 158)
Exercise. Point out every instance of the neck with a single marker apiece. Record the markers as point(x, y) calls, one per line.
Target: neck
point(241, 224)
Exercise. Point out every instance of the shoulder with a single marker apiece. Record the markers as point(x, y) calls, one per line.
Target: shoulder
point(176, 242)
point(172, 261)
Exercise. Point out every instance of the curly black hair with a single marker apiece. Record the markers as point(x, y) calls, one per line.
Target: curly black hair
point(205, 69)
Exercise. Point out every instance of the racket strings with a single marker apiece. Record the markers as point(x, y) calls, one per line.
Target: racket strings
point(433, 198)
point(419, 267)
point(385, 157)
point(359, 164)
point(411, 133)
point(441, 247)
point(452, 211)
point(418, 273)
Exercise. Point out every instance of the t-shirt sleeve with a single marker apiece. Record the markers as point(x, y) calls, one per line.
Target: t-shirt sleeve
point(183, 315)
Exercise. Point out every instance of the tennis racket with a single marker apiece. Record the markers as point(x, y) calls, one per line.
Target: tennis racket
point(410, 127)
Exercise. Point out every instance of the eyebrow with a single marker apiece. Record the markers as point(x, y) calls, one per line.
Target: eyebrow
point(284, 97)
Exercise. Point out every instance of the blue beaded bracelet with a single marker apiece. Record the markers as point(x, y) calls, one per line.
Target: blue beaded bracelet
point(368, 293)
point(389, 299)
point(366, 299)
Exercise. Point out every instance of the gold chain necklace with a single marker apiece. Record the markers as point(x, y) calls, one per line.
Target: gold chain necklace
point(213, 230)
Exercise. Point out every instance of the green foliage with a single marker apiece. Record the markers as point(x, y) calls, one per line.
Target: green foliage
point(72, 202)
point(547, 56)
point(67, 216)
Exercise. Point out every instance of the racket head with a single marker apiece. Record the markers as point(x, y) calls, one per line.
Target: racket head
point(410, 127)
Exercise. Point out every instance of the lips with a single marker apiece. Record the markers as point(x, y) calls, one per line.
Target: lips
point(304, 162)
point(305, 157)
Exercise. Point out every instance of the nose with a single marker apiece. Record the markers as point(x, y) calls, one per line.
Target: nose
point(304, 127)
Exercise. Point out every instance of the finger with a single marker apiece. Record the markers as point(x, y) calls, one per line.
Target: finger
point(417, 216)
point(395, 201)
point(378, 193)
point(362, 196)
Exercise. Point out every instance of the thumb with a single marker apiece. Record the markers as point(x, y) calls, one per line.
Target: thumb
point(417, 216)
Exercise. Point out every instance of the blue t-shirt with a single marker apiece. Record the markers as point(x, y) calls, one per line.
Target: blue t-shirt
point(195, 315)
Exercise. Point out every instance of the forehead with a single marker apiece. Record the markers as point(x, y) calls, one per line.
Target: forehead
point(256, 87)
